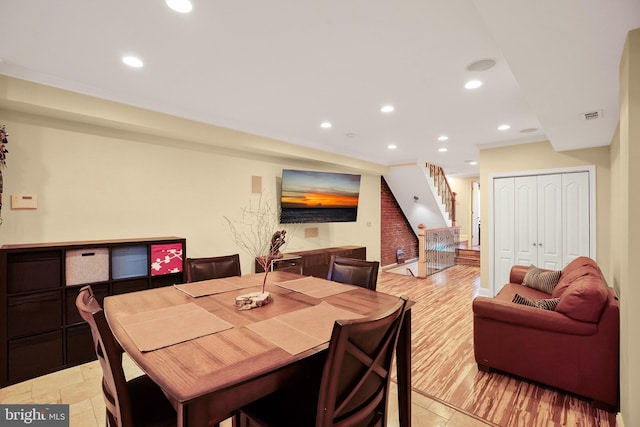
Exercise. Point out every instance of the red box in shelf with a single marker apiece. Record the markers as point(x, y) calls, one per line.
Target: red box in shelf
point(166, 259)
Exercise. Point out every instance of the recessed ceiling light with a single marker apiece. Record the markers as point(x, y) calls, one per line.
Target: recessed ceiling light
point(392, 146)
point(481, 65)
point(325, 125)
point(182, 6)
point(504, 127)
point(443, 138)
point(442, 150)
point(132, 61)
point(472, 162)
point(387, 108)
point(473, 84)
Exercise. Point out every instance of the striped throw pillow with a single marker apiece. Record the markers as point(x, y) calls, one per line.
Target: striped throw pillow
point(545, 304)
point(541, 280)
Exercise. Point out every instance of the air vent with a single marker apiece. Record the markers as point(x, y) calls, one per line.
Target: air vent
point(591, 115)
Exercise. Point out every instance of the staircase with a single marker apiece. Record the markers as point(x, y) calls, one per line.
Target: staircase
point(447, 197)
point(423, 193)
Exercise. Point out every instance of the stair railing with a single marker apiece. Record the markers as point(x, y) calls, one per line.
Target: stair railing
point(437, 249)
point(447, 196)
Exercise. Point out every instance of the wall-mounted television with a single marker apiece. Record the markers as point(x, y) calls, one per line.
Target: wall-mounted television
point(309, 196)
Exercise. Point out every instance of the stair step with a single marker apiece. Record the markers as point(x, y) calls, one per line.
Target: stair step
point(463, 261)
point(468, 256)
point(469, 253)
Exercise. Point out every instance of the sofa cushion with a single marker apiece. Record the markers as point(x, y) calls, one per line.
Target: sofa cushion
point(584, 299)
point(546, 304)
point(568, 277)
point(543, 280)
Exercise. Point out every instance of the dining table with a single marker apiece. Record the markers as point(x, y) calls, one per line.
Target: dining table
point(210, 358)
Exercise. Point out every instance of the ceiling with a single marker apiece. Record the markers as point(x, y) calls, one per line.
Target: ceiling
point(280, 68)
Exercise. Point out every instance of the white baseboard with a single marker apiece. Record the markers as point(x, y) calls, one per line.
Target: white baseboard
point(484, 292)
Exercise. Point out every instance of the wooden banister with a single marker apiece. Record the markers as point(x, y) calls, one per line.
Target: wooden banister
point(447, 196)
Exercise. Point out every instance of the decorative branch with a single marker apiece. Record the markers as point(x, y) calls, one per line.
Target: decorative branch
point(254, 234)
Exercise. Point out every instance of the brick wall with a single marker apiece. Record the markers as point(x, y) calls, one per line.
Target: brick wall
point(395, 229)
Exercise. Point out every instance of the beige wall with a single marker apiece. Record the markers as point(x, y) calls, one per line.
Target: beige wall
point(539, 156)
point(625, 205)
point(97, 182)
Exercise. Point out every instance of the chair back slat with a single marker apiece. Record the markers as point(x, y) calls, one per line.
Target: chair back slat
point(109, 353)
point(356, 375)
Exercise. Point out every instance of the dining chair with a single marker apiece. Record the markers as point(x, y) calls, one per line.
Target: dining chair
point(354, 271)
point(213, 267)
point(350, 390)
point(137, 402)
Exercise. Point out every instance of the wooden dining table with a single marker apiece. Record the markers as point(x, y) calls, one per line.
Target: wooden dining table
point(208, 377)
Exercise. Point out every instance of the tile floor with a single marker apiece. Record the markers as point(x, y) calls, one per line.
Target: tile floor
point(80, 388)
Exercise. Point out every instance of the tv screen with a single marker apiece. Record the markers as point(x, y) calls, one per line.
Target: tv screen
point(309, 196)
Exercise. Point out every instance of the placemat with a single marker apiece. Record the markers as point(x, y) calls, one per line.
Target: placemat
point(216, 286)
point(154, 329)
point(304, 329)
point(316, 287)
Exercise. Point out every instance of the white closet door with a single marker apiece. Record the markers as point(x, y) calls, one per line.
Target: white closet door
point(550, 215)
point(503, 220)
point(576, 218)
point(526, 220)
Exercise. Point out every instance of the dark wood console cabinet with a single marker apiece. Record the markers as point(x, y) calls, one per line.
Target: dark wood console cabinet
point(314, 262)
point(41, 330)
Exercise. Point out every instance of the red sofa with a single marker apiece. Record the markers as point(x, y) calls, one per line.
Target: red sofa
point(574, 347)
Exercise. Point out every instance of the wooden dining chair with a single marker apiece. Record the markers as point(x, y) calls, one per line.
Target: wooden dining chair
point(354, 271)
point(135, 403)
point(213, 267)
point(352, 388)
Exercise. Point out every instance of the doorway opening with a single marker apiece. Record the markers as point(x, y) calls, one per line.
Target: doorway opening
point(475, 214)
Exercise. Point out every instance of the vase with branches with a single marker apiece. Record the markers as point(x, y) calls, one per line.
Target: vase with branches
point(253, 232)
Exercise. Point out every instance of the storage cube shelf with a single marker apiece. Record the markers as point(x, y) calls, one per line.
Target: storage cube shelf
point(41, 330)
point(87, 266)
point(129, 261)
point(166, 259)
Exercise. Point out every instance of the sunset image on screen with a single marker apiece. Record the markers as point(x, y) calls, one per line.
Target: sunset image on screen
point(309, 196)
point(319, 190)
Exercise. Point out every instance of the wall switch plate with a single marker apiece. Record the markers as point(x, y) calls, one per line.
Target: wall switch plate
point(24, 201)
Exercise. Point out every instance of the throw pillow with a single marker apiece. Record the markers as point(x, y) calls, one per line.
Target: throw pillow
point(548, 304)
point(584, 299)
point(519, 299)
point(545, 304)
point(542, 280)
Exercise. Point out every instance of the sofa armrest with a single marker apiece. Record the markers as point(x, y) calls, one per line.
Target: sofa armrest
point(517, 273)
point(530, 317)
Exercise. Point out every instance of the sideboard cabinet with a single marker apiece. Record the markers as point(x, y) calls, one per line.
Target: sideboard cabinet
point(314, 262)
point(41, 330)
